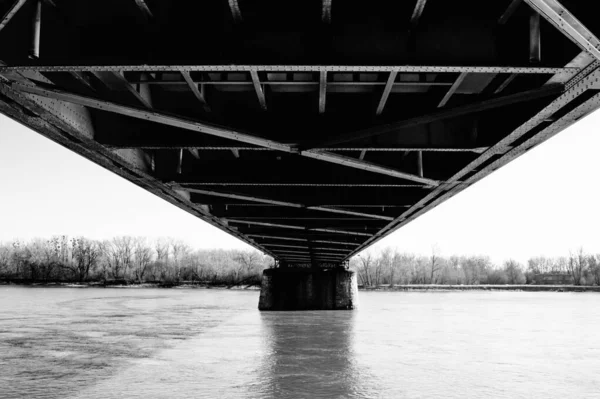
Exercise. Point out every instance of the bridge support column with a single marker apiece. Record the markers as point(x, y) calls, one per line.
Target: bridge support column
point(308, 289)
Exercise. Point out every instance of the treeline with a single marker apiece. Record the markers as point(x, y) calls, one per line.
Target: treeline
point(127, 259)
point(390, 267)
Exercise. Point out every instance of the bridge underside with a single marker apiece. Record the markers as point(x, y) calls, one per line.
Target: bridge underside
point(308, 129)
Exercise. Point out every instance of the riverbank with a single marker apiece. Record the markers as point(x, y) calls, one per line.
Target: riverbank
point(128, 284)
point(520, 287)
point(254, 286)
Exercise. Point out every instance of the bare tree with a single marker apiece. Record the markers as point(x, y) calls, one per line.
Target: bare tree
point(434, 264)
point(86, 254)
point(143, 257)
point(514, 272)
point(577, 265)
point(594, 268)
point(364, 269)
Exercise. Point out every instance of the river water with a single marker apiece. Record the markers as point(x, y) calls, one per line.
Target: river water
point(196, 343)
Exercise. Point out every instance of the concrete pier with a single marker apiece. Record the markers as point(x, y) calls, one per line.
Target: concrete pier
point(308, 289)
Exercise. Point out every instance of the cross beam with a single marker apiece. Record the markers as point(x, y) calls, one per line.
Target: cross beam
point(286, 204)
point(564, 21)
point(11, 12)
point(293, 227)
point(215, 130)
point(441, 114)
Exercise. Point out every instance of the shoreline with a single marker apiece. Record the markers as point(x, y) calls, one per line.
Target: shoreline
point(254, 287)
point(130, 285)
point(507, 287)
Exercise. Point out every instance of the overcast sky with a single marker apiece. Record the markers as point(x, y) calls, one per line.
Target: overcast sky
point(544, 203)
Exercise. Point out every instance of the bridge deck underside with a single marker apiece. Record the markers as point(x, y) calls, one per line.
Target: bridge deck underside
point(309, 129)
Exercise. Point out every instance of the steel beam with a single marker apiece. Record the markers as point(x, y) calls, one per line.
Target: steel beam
point(364, 165)
point(389, 85)
point(293, 227)
point(576, 86)
point(236, 13)
point(276, 237)
point(290, 68)
point(442, 114)
point(514, 4)
point(285, 246)
point(152, 116)
point(453, 89)
point(34, 51)
point(144, 8)
point(128, 87)
point(258, 89)
point(322, 91)
point(193, 86)
point(11, 13)
point(352, 233)
point(49, 91)
point(80, 77)
point(506, 82)
point(269, 237)
point(535, 49)
point(564, 21)
point(326, 11)
point(417, 12)
point(167, 146)
point(284, 203)
point(51, 119)
point(244, 198)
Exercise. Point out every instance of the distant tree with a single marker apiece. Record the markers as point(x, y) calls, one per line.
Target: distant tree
point(386, 262)
point(594, 268)
point(5, 257)
point(514, 272)
point(434, 264)
point(142, 258)
point(577, 266)
point(365, 265)
point(86, 254)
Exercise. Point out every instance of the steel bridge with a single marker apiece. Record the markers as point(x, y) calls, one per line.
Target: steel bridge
point(308, 129)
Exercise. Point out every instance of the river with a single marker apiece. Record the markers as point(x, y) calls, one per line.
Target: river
point(198, 343)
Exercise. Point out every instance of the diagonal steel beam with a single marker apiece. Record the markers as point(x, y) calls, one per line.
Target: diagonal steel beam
point(259, 90)
point(285, 203)
point(236, 13)
point(512, 7)
point(441, 114)
point(215, 130)
point(194, 87)
point(144, 8)
point(564, 21)
point(453, 89)
point(11, 12)
point(326, 11)
point(417, 12)
point(506, 82)
point(127, 86)
point(364, 165)
point(294, 227)
point(154, 116)
point(269, 237)
point(504, 148)
point(389, 85)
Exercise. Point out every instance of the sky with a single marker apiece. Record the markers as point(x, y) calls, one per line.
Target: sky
point(543, 203)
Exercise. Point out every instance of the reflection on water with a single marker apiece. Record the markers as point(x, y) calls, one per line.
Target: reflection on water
point(310, 354)
point(151, 343)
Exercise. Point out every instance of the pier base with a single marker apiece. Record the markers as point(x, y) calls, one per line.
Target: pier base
point(308, 289)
